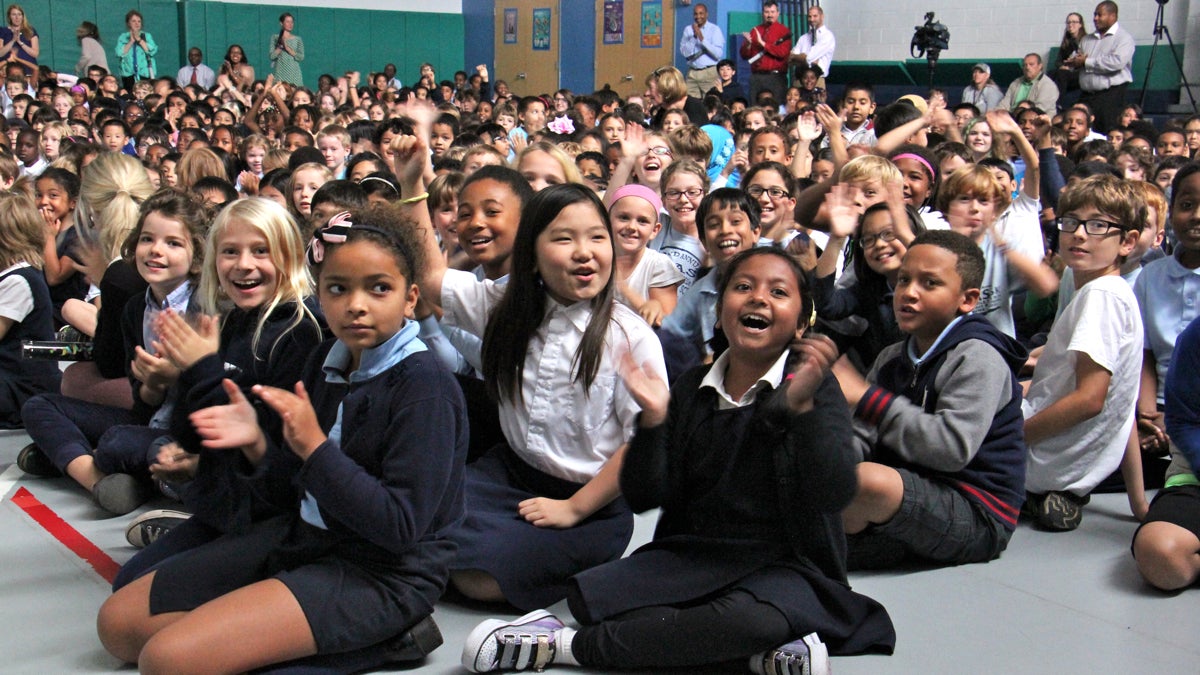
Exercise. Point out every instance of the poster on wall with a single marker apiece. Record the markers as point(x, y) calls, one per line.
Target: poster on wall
point(652, 19)
point(614, 22)
point(510, 26)
point(541, 29)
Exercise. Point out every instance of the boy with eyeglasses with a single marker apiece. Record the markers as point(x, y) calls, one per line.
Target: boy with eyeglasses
point(1079, 407)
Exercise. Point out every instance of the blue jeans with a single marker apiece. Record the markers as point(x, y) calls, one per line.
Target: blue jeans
point(66, 428)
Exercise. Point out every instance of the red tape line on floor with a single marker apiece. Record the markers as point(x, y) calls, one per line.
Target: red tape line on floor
point(105, 566)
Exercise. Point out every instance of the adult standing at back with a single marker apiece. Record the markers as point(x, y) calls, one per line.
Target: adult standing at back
point(136, 49)
point(196, 72)
point(92, 52)
point(287, 51)
point(815, 48)
point(702, 44)
point(766, 48)
point(1105, 63)
point(19, 41)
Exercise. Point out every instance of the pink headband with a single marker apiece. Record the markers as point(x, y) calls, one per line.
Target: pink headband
point(922, 160)
point(634, 190)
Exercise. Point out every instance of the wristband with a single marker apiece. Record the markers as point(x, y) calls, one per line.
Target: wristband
point(413, 200)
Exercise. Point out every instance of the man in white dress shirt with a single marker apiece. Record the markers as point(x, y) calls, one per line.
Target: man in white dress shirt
point(815, 48)
point(196, 72)
point(702, 44)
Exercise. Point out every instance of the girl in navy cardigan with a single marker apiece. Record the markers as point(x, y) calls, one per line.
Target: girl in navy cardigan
point(363, 553)
point(750, 461)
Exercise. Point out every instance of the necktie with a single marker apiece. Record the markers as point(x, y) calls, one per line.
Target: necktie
point(193, 74)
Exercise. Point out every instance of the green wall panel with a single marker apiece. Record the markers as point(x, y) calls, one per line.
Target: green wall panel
point(334, 40)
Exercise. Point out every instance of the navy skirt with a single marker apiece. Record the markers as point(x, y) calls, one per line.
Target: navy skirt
point(681, 571)
point(531, 564)
point(349, 601)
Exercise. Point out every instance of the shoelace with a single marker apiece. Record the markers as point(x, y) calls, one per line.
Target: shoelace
point(517, 649)
point(787, 664)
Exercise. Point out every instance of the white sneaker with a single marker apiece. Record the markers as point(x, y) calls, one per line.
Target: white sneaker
point(806, 656)
point(529, 642)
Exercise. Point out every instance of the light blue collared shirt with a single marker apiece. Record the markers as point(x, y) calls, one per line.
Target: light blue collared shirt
point(371, 362)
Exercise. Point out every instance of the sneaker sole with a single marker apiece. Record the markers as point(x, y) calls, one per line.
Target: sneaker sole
point(818, 655)
point(480, 634)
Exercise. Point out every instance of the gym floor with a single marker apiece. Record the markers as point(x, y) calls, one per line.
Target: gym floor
point(1053, 603)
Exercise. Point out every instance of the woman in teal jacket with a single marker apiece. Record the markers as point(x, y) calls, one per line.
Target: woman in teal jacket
point(136, 50)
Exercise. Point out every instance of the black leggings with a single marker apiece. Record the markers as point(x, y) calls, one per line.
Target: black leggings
point(725, 630)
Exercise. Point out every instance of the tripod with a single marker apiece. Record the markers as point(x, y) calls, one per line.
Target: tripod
point(1160, 30)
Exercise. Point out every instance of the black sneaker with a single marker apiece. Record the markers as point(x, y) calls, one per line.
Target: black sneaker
point(34, 462)
point(148, 527)
point(1060, 511)
point(416, 642)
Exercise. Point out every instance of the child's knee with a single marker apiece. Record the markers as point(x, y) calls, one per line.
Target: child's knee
point(879, 484)
point(1167, 555)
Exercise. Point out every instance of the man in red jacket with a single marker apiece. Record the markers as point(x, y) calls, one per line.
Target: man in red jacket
point(766, 47)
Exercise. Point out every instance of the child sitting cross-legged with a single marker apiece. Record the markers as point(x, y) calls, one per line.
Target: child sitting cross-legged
point(940, 414)
point(1079, 407)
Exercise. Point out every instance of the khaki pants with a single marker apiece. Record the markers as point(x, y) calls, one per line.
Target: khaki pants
point(700, 80)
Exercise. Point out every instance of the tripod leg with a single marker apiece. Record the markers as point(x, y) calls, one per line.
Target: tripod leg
point(1182, 75)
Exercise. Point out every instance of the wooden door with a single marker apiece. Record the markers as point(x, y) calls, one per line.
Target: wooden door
point(624, 65)
point(530, 69)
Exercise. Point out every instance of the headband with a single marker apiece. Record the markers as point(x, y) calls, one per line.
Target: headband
point(335, 233)
point(924, 162)
point(381, 180)
point(635, 190)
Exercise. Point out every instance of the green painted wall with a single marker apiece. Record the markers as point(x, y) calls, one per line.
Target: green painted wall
point(334, 40)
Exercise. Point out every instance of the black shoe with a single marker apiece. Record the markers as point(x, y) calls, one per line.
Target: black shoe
point(151, 525)
point(34, 462)
point(1061, 511)
point(416, 642)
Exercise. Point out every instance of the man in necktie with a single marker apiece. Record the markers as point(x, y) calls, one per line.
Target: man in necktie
point(196, 72)
point(815, 48)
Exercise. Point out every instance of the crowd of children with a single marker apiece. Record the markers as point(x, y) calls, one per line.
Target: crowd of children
point(385, 345)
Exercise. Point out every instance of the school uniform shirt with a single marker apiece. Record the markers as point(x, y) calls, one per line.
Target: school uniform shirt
point(25, 300)
point(1167, 295)
point(1102, 322)
point(557, 426)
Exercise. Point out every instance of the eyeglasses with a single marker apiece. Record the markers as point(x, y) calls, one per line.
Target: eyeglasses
point(659, 150)
point(887, 236)
point(692, 193)
point(756, 192)
point(1094, 226)
point(499, 139)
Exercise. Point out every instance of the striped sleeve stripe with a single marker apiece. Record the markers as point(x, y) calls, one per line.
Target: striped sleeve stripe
point(874, 404)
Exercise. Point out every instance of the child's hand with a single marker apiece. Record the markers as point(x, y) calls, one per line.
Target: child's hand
point(817, 354)
point(94, 261)
point(152, 371)
point(634, 145)
point(652, 312)
point(647, 389)
point(174, 465)
point(1151, 435)
point(545, 512)
point(300, 427)
point(231, 426)
point(828, 118)
point(853, 384)
point(410, 154)
point(181, 343)
point(740, 160)
point(809, 129)
point(519, 143)
point(249, 183)
point(1000, 122)
point(843, 213)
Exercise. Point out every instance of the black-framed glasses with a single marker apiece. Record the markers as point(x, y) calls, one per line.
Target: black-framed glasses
point(692, 193)
point(756, 192)
point(887, 236)
point(1093, 226)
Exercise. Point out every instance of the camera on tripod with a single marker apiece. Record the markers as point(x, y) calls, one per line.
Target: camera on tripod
point(931, 37)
